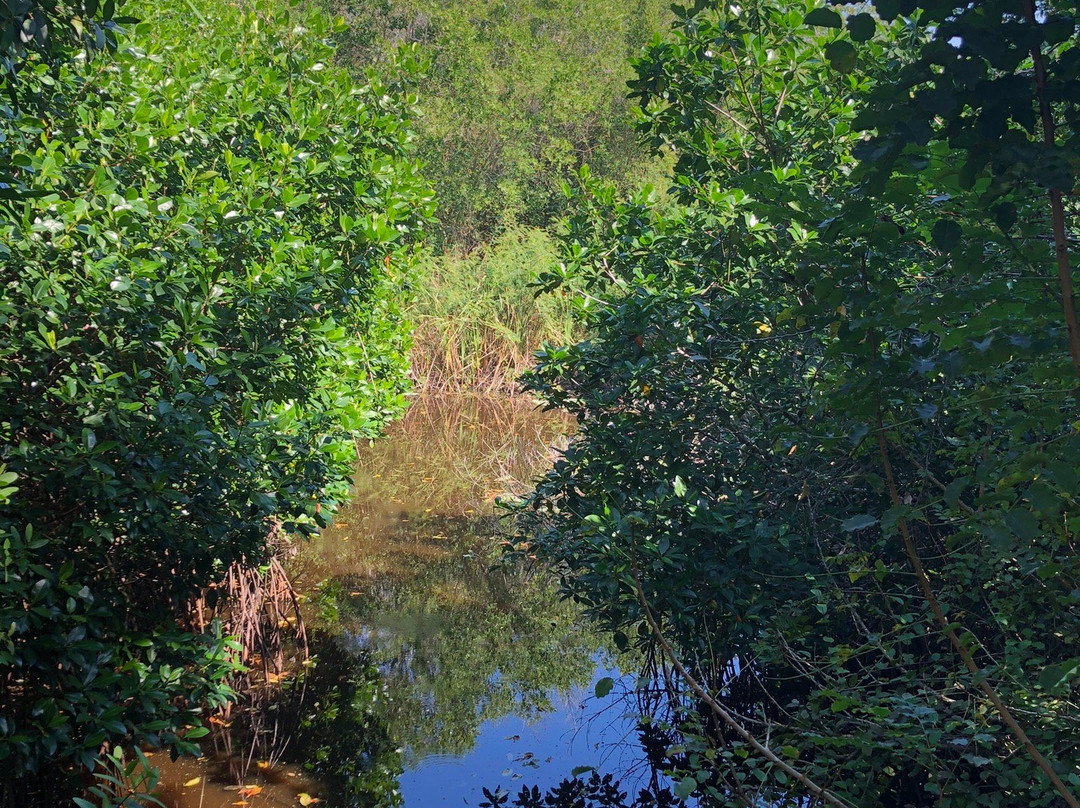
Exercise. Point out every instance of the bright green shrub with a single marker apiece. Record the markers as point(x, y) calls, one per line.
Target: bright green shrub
point(200, 313)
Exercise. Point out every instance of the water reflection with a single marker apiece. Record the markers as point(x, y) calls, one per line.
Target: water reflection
point(431, 656)
point(468, 649)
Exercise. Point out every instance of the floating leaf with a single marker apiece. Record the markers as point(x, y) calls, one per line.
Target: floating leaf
point(194, 781)
point(604, 686)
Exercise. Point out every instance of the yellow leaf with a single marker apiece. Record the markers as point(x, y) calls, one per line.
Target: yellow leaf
point(306, 799)
point(194, 781)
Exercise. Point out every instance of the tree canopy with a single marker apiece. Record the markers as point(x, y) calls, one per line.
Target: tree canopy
point(828, 449)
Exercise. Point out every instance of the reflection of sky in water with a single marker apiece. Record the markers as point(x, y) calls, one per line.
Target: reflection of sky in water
point(489, 677)
point(527, 746)
point(511, 752)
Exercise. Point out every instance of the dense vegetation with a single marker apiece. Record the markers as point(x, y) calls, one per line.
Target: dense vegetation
point(828, 455)
point(516, 98)
point(202, 243)
point(827, 459)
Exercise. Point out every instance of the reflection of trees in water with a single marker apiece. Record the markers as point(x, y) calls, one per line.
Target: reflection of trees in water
point(409, 575)
point(340, 734)
point(326, 720)
point(459, 643)
point(450, 453)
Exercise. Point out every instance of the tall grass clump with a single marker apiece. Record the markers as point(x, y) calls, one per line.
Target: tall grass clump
point(477, 320)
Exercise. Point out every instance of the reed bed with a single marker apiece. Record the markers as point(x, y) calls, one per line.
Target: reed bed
point(477, 318)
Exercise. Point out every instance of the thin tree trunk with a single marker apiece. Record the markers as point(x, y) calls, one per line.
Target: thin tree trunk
point(1057, 202)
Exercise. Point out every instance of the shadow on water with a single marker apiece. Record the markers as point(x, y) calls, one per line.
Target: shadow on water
point(432, 659)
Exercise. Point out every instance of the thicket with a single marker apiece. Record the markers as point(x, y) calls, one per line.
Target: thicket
point(828, 454)
point(202, 244)
point(477, 320)
point(517, 97)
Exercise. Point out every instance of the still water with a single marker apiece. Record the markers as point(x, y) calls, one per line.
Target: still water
point(439, 671)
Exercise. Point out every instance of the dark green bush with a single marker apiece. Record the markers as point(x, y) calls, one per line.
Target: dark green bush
point(828, 450)
point(200, 270)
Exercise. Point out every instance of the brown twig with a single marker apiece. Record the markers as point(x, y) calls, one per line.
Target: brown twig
point(726, 716)
point(954, 639)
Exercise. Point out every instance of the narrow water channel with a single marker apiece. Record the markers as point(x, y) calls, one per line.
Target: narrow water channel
point(438, 670)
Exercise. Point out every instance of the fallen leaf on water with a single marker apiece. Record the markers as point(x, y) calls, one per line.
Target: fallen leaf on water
point(262, 764)
point(250, 791)
point(306, 799)
point(242, 802)
point(194, 781)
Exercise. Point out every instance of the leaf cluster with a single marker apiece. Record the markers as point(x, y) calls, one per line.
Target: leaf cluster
point(836, 371)
point(201, 263)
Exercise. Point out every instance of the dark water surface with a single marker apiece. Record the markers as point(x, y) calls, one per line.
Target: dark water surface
point(479, 674)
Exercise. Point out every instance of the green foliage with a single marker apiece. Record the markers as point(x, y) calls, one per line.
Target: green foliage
point(120, 782)
point(827, 407)
point(519, 96)
point(477, 320)
point(34, 33)
point(201, 312)
point(339, 733)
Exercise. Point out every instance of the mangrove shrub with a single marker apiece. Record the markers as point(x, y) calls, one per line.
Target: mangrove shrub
point(828, 448)
point(200, 258)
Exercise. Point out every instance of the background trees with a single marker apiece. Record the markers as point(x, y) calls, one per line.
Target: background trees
point(518, 97)
point(828, 447)
point(201, 257)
